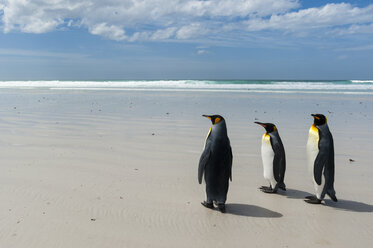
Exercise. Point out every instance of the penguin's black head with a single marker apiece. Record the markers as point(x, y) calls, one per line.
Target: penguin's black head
point(215, 119)
point(270, 127)
point(319, 119)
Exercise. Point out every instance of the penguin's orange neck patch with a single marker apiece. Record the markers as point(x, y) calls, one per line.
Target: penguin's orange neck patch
point(314, 128)
point(266, 136)
point(217, 120)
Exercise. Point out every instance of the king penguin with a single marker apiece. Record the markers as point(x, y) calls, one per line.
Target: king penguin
point(320, 156)
point(273, 157)
point(216, 163)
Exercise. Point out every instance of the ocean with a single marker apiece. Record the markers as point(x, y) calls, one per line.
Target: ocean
point(270, 86)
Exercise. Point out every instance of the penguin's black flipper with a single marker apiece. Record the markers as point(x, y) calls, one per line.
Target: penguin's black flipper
point(276, 167)
point(230, 162)
point(325, 158)
point(279, 163)
point(203, 161)
point(319, 166)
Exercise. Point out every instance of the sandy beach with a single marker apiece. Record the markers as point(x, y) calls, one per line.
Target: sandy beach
point(119, 169)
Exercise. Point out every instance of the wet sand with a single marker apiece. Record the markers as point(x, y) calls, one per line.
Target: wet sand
point(119, 169)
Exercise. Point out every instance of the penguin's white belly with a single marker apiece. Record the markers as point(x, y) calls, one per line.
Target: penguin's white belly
point(312, 152)
point(267, 158)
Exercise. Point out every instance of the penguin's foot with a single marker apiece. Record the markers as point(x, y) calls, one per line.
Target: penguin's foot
point(312, 200)
point(311, 197)
point(221, 207)
point(316, 201)
point(265, 187)
point(268, 190)
point(333, 197)
point(207, 204)
point(281, 185)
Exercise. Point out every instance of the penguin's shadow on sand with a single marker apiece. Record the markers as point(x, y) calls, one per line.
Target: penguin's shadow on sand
point(250, 211)
point(294, 193)
point(345, 205)
point(348, 205)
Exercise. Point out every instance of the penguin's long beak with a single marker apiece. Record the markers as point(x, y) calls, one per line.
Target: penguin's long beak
point(316, 117)
point(207, 116)
point(262, 124)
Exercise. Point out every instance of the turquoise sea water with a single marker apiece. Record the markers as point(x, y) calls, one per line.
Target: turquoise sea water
point(277, 86)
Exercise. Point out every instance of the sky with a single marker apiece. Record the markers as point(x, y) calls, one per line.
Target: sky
point(185, 39)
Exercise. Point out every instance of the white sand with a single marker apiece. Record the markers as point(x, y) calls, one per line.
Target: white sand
point(83, 169)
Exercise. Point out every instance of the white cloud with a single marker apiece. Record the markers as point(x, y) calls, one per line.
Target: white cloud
point(202, 51)
point(237, 8)
point(192, 30)
point(330, 15)
point(133, 20)
point(35, 16)
point(354, 29)
point(163, 34)
point(139, 36)
point(110, 31)
point(146, 19)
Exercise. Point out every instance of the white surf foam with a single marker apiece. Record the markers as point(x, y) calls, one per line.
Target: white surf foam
point(269, 86)
point(362, 81)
